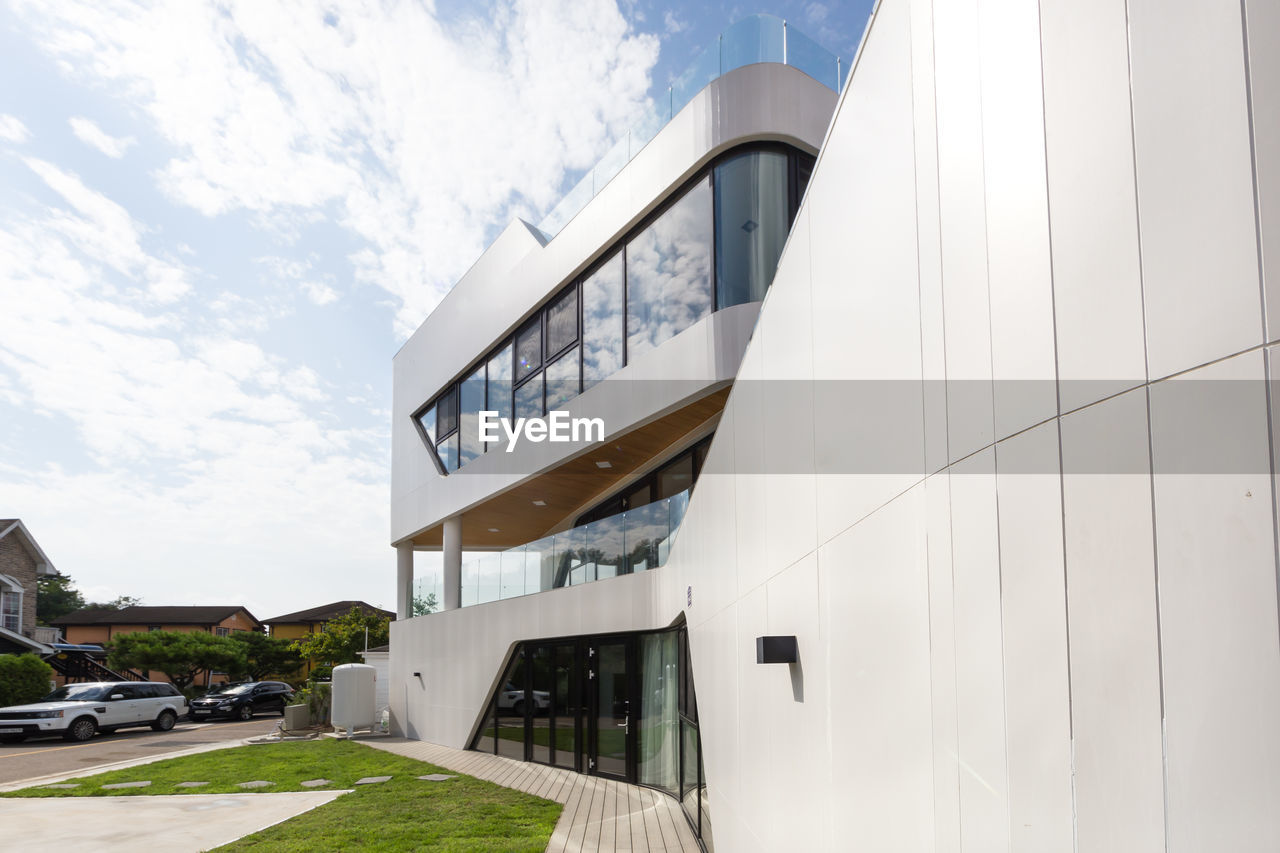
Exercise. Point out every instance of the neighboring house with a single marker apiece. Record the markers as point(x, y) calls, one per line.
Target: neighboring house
point(304, 623)
point(21, 562)
point(99, 625)
point(982, 554)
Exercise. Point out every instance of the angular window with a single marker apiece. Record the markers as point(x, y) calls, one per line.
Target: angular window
point(562, 322)
point(471, 396)
point(602, 322)
point(446, 412)
point(447, 450)
point(562, 379)
point(669, 272)
point(528, 349)
point(498, 394)
point(752, 220)
point(428, 422)
point(529, 398)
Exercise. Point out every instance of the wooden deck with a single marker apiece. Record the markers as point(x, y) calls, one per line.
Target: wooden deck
point(599, 814)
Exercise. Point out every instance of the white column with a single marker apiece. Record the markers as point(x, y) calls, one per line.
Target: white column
point(453, 563)
point(404, 580)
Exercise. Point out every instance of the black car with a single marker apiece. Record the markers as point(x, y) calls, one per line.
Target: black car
point(242, 700)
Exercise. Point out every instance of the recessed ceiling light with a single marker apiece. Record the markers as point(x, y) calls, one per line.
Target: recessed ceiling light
point(493, 530)
point(539, 503)
point(603, 463)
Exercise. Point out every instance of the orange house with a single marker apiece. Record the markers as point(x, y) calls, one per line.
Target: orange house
point(304, 623)
point(100, 625)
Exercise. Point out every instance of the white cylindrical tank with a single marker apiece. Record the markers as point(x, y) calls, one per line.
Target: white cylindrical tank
point(354, 688)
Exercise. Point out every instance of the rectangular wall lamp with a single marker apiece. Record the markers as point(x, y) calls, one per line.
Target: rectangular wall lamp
point(777, 650)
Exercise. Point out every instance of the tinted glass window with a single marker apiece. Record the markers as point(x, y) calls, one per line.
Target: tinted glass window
point(602, 322)
point(446, 412)
point(669, 272)
point(562, 322)
point(447, 450)
point(428, 421)
point(471, 401)
point(511, 701)
point(498, 391)
point(562, 379)
point(528, 350)
point(752, 220)
point(529, 398)
point(675, 477)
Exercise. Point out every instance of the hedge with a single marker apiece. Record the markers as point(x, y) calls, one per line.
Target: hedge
point(23, 679)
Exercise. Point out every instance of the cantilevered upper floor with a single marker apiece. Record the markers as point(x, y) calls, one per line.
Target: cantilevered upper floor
point(635, 311)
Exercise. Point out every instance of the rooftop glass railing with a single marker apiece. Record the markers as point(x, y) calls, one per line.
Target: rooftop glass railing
point(760, 38)
point(633, 541)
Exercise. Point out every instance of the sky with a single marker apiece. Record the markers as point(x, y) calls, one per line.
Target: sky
point(220, 220)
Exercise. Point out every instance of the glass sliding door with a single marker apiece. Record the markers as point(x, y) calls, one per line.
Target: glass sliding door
point(610, 674)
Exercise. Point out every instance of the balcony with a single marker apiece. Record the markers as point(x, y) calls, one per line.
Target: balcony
point(633, 541)
point(759, 38)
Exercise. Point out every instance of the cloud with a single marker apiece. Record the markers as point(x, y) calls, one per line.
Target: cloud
point(672, 23)
point(415, 135)
point(13, 130)
point(93, 136)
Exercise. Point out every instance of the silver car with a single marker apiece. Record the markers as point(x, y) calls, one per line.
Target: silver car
point(79, 711)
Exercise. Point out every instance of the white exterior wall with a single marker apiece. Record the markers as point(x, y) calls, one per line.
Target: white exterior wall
point(994, 654)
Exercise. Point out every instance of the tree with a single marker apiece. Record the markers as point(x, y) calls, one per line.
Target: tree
point(120, 602)
point(423, 606)
point(23, 679)
point(265, 656)
point(344, 637)
point(55, 596)
point(179, 655)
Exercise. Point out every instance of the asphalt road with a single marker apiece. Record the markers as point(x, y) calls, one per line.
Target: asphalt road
point(37, 758)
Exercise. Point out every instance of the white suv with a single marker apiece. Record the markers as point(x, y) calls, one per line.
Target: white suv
point(78, 711)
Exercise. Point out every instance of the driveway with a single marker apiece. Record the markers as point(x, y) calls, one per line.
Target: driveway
point(40, 758)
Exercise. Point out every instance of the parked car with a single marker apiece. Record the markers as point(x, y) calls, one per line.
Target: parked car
point(511, 698)
point(242, 700)
point(79, 711)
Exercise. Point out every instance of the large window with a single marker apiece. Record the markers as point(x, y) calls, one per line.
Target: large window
point(471, 401)
point(669, 272)
point(752, 221)
point(716, 244)
point(602, 322)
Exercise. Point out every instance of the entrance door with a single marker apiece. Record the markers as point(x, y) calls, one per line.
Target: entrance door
point(609, 668)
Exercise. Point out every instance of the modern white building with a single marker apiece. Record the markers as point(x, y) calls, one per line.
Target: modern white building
point(990, 468)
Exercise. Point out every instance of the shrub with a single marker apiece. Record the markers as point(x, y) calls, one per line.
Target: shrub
point(318, 698)
point(23, 679)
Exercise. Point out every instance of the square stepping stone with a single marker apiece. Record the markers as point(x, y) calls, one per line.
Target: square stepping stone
point(257, 783)
point(125, 785)
point(66, 787)
point(372, 780)
point(315, 783)
point(191, 784)
point(437, 777)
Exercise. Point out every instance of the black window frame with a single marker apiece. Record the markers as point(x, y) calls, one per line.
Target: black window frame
point(798, 162)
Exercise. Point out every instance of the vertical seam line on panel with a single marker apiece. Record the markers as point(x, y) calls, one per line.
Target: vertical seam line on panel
point(1262, 290)
point(1151, 467)
point(995, 438)
point(946, 389)
point(924, 417)
point(1057, 391)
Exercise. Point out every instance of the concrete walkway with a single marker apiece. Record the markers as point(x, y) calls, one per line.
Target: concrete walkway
point(599, 814)
point(187, 822)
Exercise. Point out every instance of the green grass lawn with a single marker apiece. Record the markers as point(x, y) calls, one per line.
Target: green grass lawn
point(405, 813)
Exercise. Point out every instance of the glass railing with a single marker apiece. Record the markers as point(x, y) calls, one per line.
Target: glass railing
point(760, 38)
point(633, 541)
